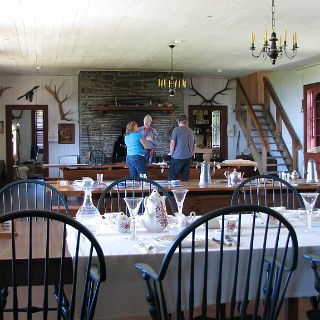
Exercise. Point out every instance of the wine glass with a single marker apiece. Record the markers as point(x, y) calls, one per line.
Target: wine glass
point(180, 195)
point(133, 205)
point(309, 200)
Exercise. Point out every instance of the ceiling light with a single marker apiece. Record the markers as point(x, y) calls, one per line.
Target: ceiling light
point(271, 49)
point(171, 83)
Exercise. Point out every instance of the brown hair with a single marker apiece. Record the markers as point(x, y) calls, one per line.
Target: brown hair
point(183, 118)
point(130, 127)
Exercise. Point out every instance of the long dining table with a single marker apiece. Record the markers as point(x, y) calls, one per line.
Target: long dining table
point(199, 199)
point(122, 296)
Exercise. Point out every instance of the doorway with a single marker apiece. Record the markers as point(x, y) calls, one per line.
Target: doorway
point(209, 124)
point(26, 138)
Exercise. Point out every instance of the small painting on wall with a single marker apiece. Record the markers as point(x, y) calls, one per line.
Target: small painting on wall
point(1, 126)
point(66, 133)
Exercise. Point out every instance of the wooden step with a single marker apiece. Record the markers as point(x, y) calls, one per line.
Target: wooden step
point(276, 165)
point(277, 157)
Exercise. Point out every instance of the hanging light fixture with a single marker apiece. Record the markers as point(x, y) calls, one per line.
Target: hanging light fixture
point(271, 48)
point(171, 83)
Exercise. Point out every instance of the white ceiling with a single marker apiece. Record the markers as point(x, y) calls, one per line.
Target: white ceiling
point(63, 37)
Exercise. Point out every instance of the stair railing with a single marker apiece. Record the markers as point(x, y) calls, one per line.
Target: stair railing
point(252, 119)
point(281, 116)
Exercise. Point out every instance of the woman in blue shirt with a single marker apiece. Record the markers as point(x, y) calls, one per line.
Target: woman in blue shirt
point(136, 143)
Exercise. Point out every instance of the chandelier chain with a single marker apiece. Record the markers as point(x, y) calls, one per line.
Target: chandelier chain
point(171, 47)
point(171, 83)
point(273, 22)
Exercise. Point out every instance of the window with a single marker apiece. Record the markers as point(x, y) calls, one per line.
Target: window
point(39, 130)
point(312, 118)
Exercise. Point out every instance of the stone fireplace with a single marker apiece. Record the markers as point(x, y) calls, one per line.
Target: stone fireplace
point(108, 100)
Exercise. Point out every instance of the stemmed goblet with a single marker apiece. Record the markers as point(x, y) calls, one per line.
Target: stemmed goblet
point(133, 205)
point(180, 195)
point(309, 200)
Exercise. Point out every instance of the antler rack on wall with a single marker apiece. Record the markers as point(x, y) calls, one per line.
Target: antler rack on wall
point(55, 94)
point(211, 101)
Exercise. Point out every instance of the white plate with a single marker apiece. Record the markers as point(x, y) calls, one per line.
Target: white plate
point(100, 185)
point(289, 214)
point(305, 183)
point(79, 184)
point(271, 225)
point(186, 243)
point(162, 182)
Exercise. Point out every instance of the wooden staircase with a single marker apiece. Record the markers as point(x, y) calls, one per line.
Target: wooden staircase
point(263, 131)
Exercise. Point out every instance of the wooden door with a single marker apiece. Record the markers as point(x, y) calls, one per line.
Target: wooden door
point(311, 107)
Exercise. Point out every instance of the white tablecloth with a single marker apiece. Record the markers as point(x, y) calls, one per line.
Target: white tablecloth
point(122, 296)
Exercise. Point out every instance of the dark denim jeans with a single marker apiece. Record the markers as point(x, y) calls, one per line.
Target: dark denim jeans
point(179, 166)
point(137, 165)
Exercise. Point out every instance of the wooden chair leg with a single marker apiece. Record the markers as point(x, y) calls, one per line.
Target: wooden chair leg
point(65, 302)
point(314, 301)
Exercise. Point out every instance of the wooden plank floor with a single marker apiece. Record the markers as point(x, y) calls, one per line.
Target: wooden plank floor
point(304, 305)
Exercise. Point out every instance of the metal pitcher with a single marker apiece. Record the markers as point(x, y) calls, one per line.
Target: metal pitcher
point(205, 174)
point(312, 171)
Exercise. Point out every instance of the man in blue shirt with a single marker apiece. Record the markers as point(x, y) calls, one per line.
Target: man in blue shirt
point(182, 146)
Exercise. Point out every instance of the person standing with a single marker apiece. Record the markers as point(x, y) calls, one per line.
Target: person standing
point(182, 146)
point(119, 149)
point(151, 136)
point(136, 144)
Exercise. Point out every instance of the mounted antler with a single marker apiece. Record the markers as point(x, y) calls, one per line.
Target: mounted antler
point(55, 94)
point(197, 93)
point(211, 101)
point(3, 89)
point(220, 92)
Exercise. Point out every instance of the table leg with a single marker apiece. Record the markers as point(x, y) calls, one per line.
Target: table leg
point(291, 308)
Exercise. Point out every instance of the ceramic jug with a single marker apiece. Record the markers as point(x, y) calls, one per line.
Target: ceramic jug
point(234, 177)
point(155, 217)
point(294, 175)
point(123, 222)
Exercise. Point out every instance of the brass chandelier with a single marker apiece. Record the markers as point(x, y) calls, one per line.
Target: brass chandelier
point(171, 83)
point(271, 48)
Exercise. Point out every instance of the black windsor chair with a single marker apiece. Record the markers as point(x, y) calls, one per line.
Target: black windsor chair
point(111, 199)
point(251, 274)
point(97, 157)
point(267, 190)
point(37, 255)
point(31, 194)
point(314, 313)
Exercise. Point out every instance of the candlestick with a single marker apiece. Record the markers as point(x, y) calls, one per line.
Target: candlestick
point(293, 39)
